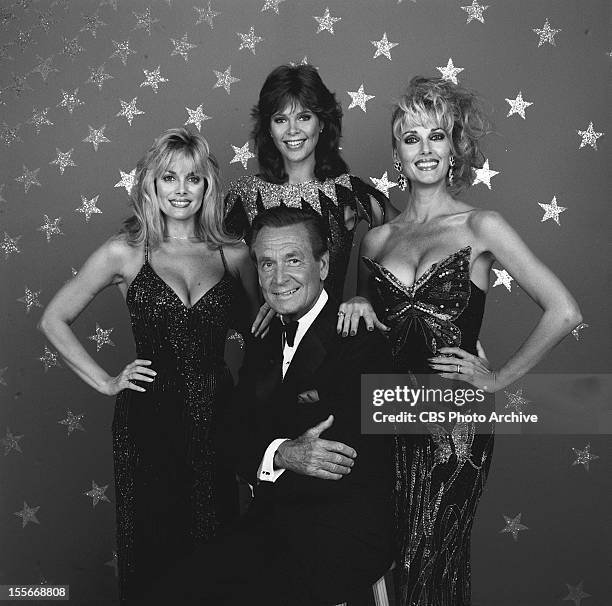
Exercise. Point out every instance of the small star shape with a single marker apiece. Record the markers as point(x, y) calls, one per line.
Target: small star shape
point(128, 180)
point(45, 20)
point(71, 47)
point(153, 78)
point(72, 422)
point(113, 563)
point(9, 135)
point(584, 457)
point(6, 16)
point(503, 277)
point(271, 4)
point(88, 207)
point(359, 98)
point(383, 47)
point(9, 245)
point(552, 211)
point(516, 400)
point(101, 337)
point(518, 106)
point(196, 116)
point(249, 40)
point(91, 23)
point(576, 593)
point(475, 11)
point(182, 47)
point(27, 514)
point(39, 117)
point(19, 85)
point(49, 359)
point(242, 154)
point(383, 184)
point(589, 136)
point(206, 15)
point(546, 34)
point(96, 136)
point(484, 174)
point(225, 79)
point(145, 21)
point(97, 75)
point(70, 100)
point(51, 227)
point(129, 110)
point(11, 442)
point(122, 51)
point(578, 329)
point(326, 22)
point(304, 61)
point(514, 526)
point(63, 159)
point(24, 39)
point(44, 67)
point(29, 178)
point(450, 71)
point(97, 493)
point(30, 299)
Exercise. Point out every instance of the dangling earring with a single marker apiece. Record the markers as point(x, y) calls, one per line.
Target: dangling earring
point(451, 172)
point(401, 179)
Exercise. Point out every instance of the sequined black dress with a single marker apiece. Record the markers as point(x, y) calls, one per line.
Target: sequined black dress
point(171, 489)
point(333, 199)
point(440, 474)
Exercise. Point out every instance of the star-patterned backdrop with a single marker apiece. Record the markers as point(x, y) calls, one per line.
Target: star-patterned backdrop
point(86, 86)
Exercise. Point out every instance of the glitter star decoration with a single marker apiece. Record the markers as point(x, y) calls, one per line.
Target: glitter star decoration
point(11, 442)
point(359, 98)
point(153, 78)
point(383, 184)
point(206, 15)
point(326, 22)
point(271, 5)
point(196, 116)
point(129, 110)
point(27, 514)
point(30, 299)
point(589, 136)
point(101, 337)
point(383, 47)
point(450, 71)
point(145, 21)
point(514, 526)
point(70, 100)
point(71, 47)
point(475, 11)
point(49, 359)
point(63, 159)
point(18, 85)
point(518, 106)
point(552, 211)
point(72, 422)
point(97, 493)
point(91, 24)
point(249, 40)
point(503, 277)
point(576, 332)
point(9, 134)
point(242, 155)
point(128, 180)
point(122, 51)
point(225, 79)
point(24, 39)
point(97, 75)
point(96, 136)
point(44, 67)
point(88, 207)
point(45, 20)
point(584, 457)
point(29, 178)
point(516, 401)
point(182, 47)
point(546, 34)
point(51, 227)
point(576, 593)
point(484, 174)
point(9, 245)
point(39, 117)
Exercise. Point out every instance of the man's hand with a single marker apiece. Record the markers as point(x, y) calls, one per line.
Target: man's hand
point(311, 455)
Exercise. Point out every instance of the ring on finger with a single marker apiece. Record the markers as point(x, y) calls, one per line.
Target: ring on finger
point(458, 369)
point(341, 314)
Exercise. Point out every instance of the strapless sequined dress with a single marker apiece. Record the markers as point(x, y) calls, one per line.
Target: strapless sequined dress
point(171, 490)
point(440, 474)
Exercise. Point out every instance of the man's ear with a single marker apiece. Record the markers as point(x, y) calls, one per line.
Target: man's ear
point(324, 265)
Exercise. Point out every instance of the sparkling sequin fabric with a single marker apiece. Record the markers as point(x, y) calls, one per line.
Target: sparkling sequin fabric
point(440, 474)
point(170, 489)
point(342, 202)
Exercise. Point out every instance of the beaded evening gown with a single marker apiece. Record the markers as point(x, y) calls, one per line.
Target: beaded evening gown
point(440, 474)
point(171, 489)
point(334, 199)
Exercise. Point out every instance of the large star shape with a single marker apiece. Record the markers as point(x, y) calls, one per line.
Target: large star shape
point(182, 47)
point(271, 4)
point(11, 442)
point(206, 15)
point(196, 116)
point(225, 79)
point(91, 23)
point(129, 110)
point(552, 211)
point(97, 493)
point(128, 180)
point(9, 134)
point(153, 78)
point(51, 227)
point(514, 526)
point(101, 337)
point(70, 100)
point(96, 136)
point(97, 75)
point(326, 22)
point(503, 277)
point(475, 11)
point(72, 422)
point(576, 593)
point(39, 117)
point(63, 159)
point(9, 245)
point(29, 178)
point(88, 207)
point(249, 40)
point(27, 514)
point(49, 359)
point(584, 457)
point(242, 155)
point(450, 71)
point(71, 47)
point(589, 136)
point(44, 67)
point(383, 47)
point(546, 33)
point(517, 106)
point(383, 184)
point(359, 98)
point(122, 50)
point(30, 299)
point(484, 174)
point(516, 401)
point(144, 21)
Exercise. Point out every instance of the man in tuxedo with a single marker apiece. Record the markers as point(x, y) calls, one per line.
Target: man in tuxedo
point(319, 529)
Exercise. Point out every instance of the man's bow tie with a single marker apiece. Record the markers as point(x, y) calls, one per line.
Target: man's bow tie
point(288, 331)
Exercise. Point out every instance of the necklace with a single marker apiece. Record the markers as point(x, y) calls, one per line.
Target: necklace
point(182, 237)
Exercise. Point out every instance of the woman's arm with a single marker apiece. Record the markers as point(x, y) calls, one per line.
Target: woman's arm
point(241, 266)
point(103, 268)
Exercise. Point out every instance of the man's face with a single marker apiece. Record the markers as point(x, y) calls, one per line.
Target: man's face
point(291, 279)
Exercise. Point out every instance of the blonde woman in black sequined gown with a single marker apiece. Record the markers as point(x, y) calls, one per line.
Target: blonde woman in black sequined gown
point(426, 274)
point(185, 282)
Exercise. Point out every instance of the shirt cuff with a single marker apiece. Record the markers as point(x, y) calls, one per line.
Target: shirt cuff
point(266, 471)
